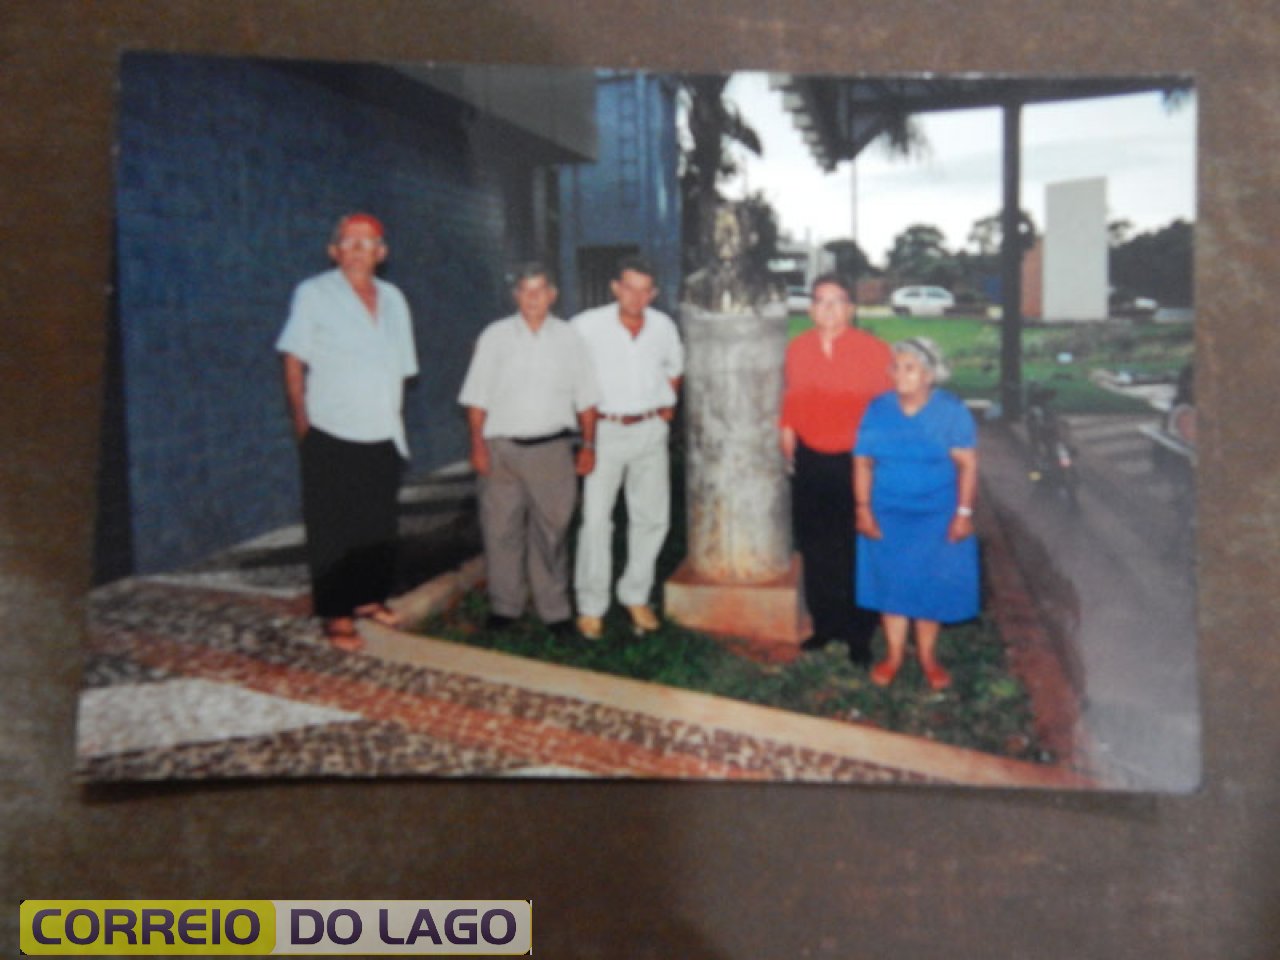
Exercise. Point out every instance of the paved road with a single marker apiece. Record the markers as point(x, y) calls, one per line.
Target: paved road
point(1114, 576)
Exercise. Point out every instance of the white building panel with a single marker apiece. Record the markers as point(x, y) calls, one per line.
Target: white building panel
point(1075, 250)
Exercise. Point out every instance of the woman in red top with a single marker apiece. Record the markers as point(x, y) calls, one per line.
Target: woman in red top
point(832, 372)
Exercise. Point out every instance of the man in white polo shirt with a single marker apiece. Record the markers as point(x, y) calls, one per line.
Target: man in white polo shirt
point(639, 360)
point(530, 386)
point(347, 349)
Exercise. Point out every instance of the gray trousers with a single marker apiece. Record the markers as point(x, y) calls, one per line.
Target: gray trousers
point(526, 503)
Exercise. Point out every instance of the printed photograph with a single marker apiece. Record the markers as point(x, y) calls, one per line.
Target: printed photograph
point(488, 421)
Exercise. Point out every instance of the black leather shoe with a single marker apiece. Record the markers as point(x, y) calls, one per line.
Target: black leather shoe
point(561, 629)
point(860, 654)
point(816, 642)
point(496, 621)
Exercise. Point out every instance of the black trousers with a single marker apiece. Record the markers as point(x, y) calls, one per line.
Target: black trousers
point(349, 509)
point(822, 517)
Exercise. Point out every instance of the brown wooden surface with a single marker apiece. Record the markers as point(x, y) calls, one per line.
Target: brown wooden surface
point(652, 870)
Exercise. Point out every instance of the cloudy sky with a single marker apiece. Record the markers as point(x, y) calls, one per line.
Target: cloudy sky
point(1144, 150)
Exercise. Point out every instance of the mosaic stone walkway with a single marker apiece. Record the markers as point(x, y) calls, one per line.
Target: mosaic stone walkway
point(218, 671)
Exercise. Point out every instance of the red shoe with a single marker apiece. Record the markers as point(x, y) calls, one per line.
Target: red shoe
point(936, 677)
point(882, 673)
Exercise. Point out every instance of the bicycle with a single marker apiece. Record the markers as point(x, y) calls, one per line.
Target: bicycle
point(1049, 440)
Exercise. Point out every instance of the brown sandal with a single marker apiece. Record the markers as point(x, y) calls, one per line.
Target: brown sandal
point(379, 613)
point(341, 634)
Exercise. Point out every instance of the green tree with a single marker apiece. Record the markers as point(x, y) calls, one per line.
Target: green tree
point(987, 234)
point(1119, 232)
point(1156, 264)
point(851, 262)
point(919, 255)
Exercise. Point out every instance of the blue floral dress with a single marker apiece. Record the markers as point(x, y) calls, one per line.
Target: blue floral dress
point(914, 571)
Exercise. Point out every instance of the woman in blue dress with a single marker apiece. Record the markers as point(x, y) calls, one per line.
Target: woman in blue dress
point(915, 481)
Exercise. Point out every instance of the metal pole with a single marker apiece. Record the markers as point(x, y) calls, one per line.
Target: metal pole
point(1011, 267)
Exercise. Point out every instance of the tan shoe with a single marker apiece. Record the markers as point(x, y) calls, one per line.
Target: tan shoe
point(591, 627)
point(643, 618)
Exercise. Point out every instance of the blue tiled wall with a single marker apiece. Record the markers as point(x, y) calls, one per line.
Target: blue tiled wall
point(230, 176)
point(631, 194)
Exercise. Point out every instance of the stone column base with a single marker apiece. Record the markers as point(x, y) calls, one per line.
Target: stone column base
point(772, 613)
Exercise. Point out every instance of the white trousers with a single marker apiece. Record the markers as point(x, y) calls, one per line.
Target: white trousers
point(634, 459)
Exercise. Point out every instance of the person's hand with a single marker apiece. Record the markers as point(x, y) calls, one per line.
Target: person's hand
point(301, 427)
point(865, 522)
point(480, 458)
point(667, 413)
point(586, 461)
point(960, 528)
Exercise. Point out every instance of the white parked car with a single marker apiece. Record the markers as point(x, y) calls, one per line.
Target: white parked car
point(921, 301)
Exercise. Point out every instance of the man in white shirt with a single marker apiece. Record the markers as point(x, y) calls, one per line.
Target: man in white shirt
point(347, 349)
point(530, 386)
point(639, 360)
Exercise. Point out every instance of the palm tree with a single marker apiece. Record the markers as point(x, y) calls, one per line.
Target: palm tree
point(713, 124)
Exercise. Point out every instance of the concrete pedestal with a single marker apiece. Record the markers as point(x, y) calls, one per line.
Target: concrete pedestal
point(771, 613)
point(739, 502)
point(740, 578)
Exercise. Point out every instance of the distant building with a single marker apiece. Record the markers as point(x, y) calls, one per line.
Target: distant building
point(1032, 282)
point(872, 291)
point(1075, 251)
point(799, 263)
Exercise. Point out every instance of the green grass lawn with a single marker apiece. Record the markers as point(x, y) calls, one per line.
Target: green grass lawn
point(972, 346)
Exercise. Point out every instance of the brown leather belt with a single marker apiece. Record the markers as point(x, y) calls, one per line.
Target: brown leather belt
point(627, 419)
